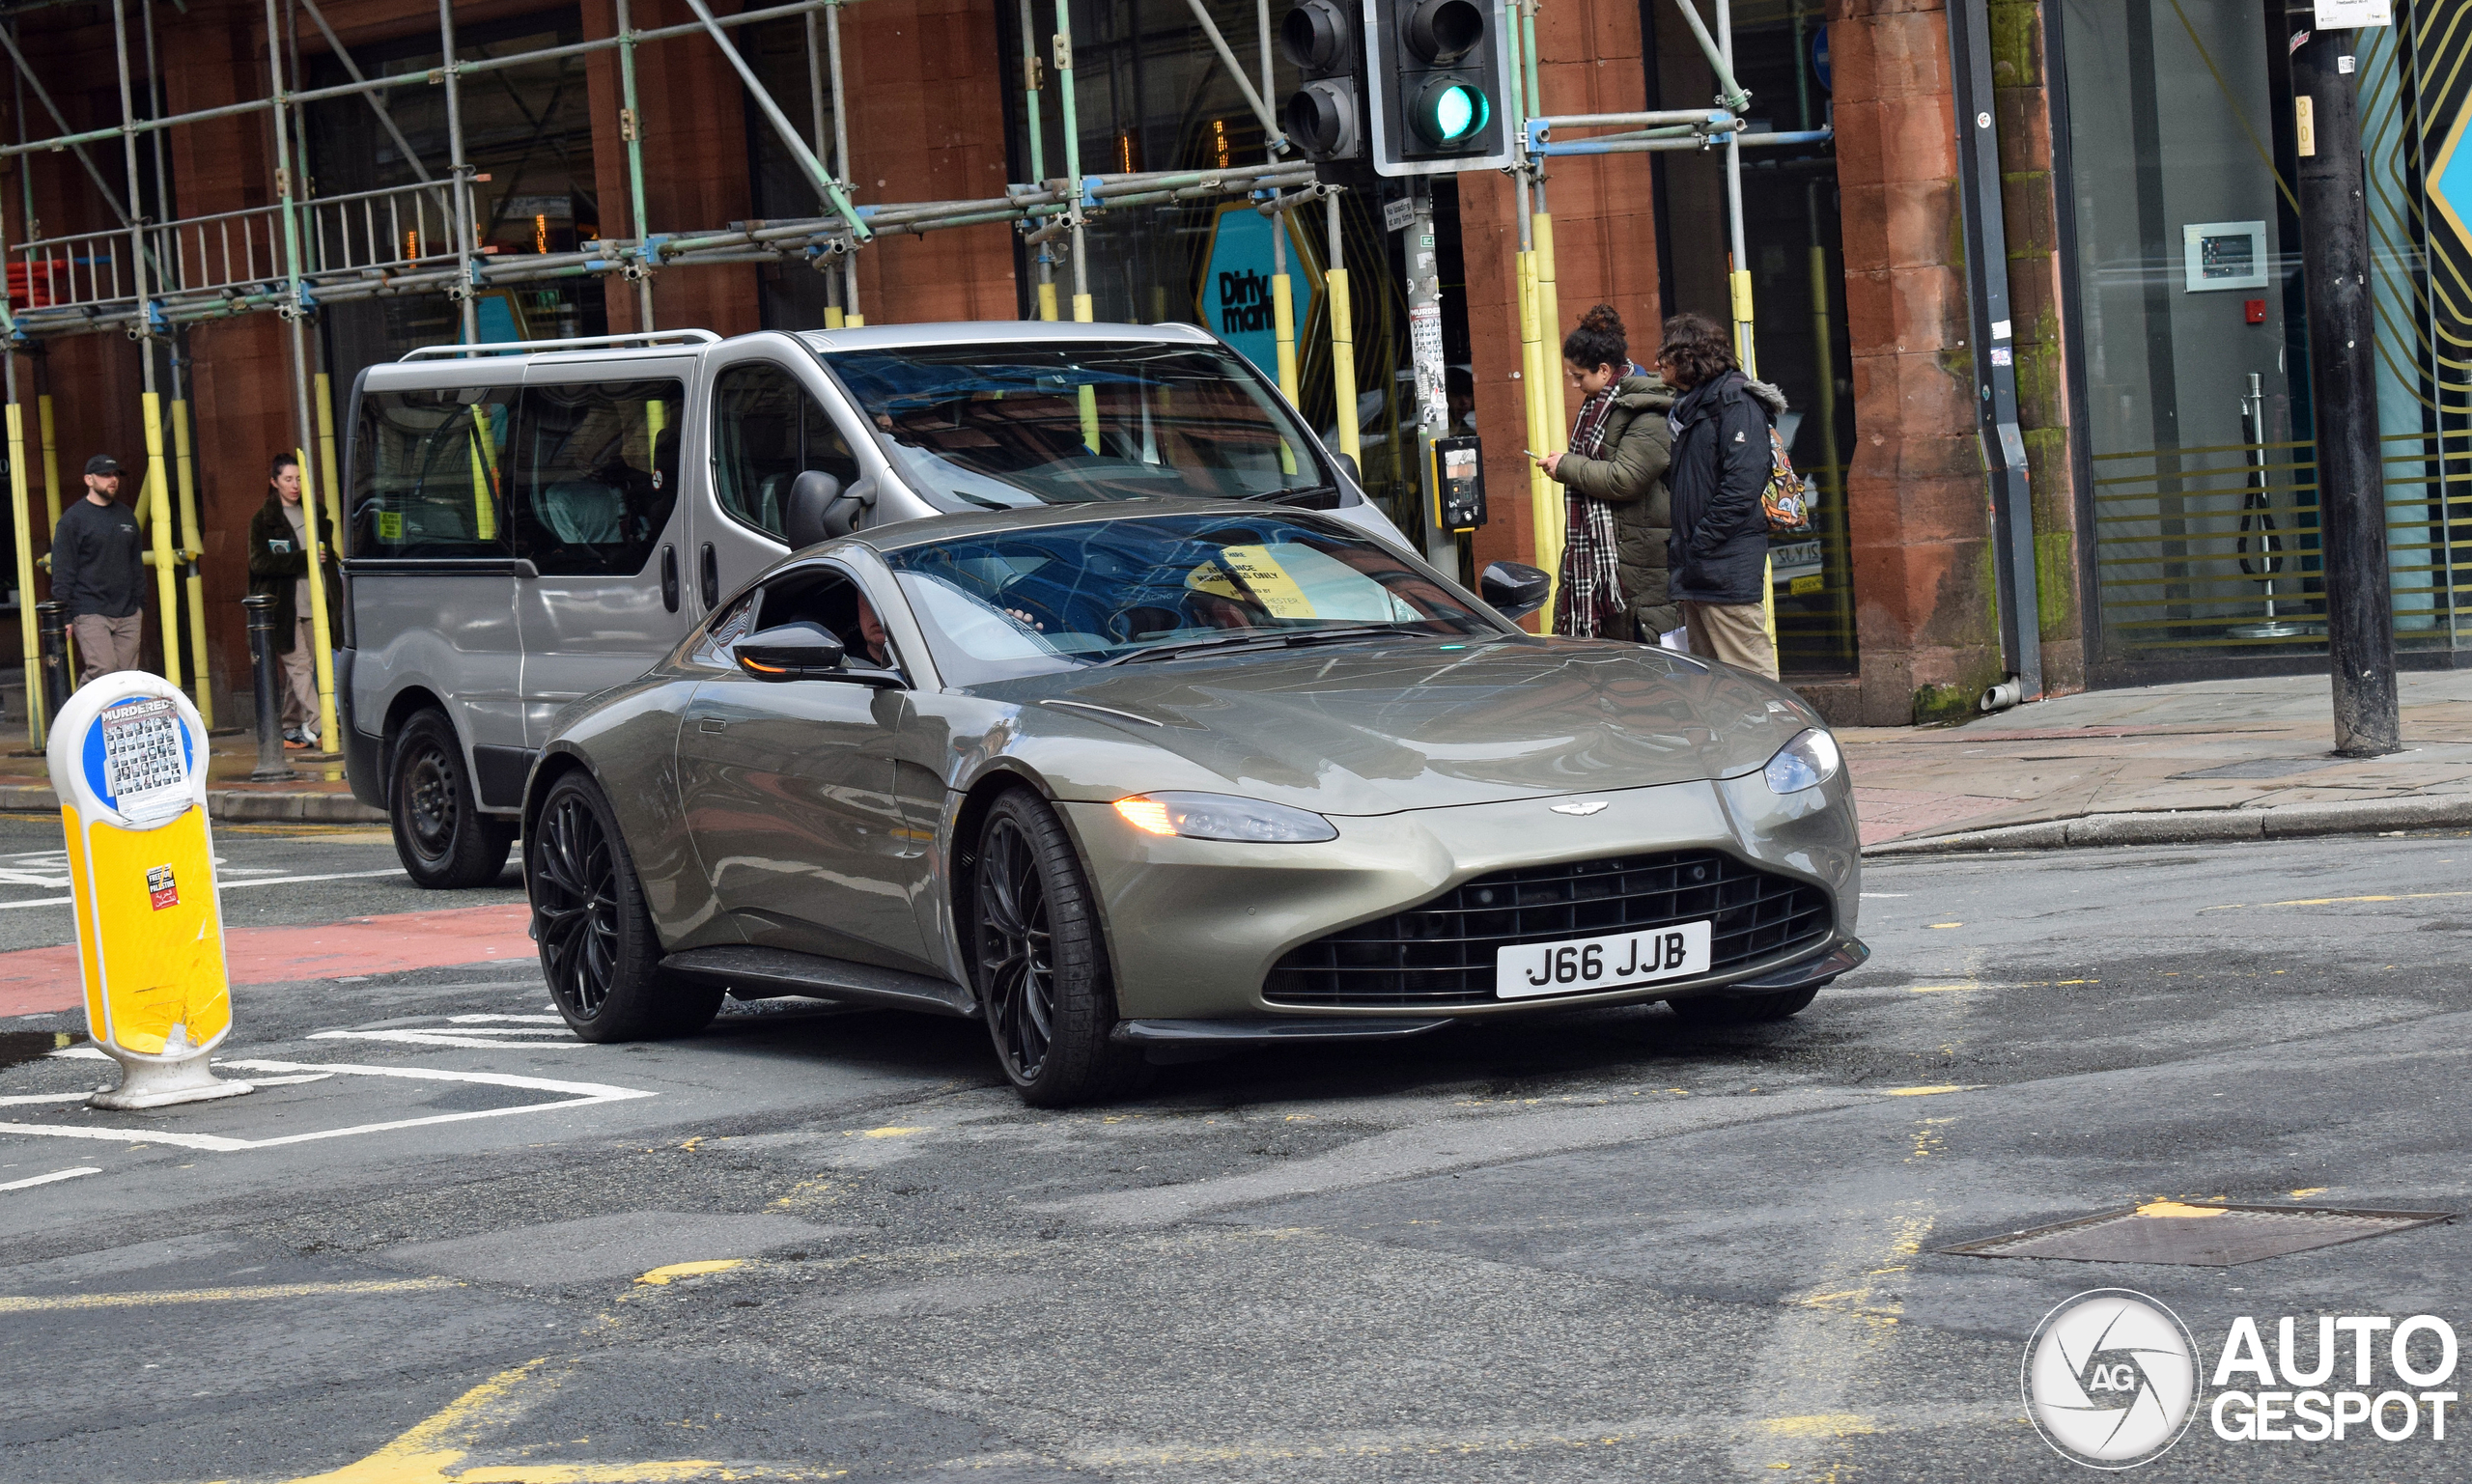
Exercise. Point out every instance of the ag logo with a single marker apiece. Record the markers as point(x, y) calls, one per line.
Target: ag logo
point(2111, 1379)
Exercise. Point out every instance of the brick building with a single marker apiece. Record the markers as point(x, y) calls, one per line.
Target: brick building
point(2134, 369)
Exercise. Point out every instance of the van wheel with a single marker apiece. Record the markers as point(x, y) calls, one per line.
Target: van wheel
point(440, 835)
point(597, 949)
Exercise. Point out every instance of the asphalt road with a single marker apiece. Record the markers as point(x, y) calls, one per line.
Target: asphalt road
point(1593, 1246)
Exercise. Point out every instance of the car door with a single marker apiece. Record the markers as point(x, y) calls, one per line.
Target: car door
point(763, 423)
point(594, 495)
point(787, 785)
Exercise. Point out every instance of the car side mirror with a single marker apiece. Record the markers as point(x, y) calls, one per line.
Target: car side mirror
point(1514, 589)
point(806, 650)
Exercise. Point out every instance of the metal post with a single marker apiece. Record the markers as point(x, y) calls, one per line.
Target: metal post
point(455, 165)
point(158, 491)
point(1073, 173)
point(1424, 344)
point(1283, 307)
point(1995, 380)
point(1030, 90)
point(1745, 349)
point(266, 684)
point(631, 128)
point(22, 524)
point(52, 626)
point(1539, 378)
point(841, 163)
point(193, 538)
point(50, 447)
point(1335, 279)
point(1235, 69)
point(2342, 381)
point(306, 424)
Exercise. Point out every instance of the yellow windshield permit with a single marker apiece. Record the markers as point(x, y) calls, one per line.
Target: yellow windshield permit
point(1269, 583)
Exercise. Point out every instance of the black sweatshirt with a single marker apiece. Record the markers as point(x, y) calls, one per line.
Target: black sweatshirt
point(95, 565)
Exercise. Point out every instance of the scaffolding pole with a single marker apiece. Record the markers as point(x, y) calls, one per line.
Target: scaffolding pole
point(156, 493)
point(826, 185)
point(1746, 347)
point(1030, 90)
point(456, 165)
point(21, 521)
point(850, 312)
point(1335, 279)
point(630, 129)
point(304, 423)
point(1537, 366)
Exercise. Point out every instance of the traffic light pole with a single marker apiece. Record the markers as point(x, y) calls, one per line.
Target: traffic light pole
point(2343, 384)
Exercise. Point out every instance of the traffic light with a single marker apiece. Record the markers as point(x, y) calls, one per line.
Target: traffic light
point(1324, 116)
point(1439, 76)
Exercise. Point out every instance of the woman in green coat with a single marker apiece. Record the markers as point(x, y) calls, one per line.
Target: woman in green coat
point(1613, 580)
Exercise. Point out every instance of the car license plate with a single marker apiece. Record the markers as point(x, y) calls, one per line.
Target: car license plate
point(1578, 965)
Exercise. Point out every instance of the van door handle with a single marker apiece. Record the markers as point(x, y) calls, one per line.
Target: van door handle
point(669, 578)
point(712, 564)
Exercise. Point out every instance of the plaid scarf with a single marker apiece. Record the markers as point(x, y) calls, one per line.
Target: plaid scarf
point(1589, 602)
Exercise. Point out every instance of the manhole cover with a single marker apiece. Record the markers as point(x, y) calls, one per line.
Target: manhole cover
point(2166, 1231)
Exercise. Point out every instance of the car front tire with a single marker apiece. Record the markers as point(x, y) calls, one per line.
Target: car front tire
point(1722, 1009)
point(597, 949)
point(1041, 962)
point(440, 835)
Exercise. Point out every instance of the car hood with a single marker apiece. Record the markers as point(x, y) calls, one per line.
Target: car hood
point(1377, 728)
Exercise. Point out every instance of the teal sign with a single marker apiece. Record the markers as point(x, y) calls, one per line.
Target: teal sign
point(1235, 297)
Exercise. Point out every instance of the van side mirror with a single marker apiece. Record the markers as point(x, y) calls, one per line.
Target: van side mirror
point(806, 650)
point(1514, 589)
point(820, 509)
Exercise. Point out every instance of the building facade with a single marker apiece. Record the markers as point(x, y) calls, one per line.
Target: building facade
point(2148, 231)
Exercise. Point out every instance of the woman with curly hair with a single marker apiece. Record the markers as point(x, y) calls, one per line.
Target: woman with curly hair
point(1722, 461)
point(1613, 580)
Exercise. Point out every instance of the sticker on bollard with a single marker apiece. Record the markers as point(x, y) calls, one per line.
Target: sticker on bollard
point(129, 756)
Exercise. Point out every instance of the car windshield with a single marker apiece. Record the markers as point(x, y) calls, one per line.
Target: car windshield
point(997, 426)
point(1035, 602)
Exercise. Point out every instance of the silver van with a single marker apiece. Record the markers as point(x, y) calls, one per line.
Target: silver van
point(527, 524)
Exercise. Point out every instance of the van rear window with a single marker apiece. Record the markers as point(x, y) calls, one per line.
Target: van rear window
point(429, 473)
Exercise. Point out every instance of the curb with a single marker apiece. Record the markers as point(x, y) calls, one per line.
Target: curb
point(239, 807)
point(2194, 827)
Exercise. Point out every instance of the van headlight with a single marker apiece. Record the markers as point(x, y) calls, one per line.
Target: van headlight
point(1807, 761)
point(1221, 817)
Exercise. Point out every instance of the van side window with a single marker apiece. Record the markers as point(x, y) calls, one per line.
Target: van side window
point(427, 476)
point(596, 474)
point(767, 431)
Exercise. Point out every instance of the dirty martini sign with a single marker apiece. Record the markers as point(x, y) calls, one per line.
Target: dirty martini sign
point(1235, 295)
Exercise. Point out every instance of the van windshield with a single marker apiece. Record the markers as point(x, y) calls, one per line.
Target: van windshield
point(997, 426)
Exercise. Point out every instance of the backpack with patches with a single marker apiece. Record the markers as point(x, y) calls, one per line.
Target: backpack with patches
point(1786, 500)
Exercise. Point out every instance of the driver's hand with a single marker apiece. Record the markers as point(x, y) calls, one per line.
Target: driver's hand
point(1025, 621)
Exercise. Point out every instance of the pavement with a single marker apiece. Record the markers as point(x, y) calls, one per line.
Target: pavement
point(2205, 761)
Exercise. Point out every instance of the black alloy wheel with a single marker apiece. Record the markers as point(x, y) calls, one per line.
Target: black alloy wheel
point(440, 835)
point(1042, 968)
point(598, 949)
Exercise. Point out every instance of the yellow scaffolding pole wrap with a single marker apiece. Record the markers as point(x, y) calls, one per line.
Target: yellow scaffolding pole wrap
point(832, 317)
point(21, 511)
point(1745, 350)
point(1284, 326)
point(319, 631)
point(1343, 367)
point(1552, 419)
point(1081, 315)
point(1047, 301)
point(159, 500)
point(185, 472)
point(50, 461)
point(1545, 504)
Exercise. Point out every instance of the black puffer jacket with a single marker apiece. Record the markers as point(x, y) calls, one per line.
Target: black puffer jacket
point(1719, 547)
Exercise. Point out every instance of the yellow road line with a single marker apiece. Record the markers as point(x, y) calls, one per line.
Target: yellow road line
point(46, 1302)
point(2402, 896)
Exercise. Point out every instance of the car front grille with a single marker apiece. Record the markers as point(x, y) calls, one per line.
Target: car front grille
point(1442, 952)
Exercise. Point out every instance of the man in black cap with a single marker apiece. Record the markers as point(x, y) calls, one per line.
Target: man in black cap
point(96, 574)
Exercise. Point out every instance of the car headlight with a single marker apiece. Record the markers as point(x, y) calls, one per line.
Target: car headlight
point(1218, 817)
point(1807, 761)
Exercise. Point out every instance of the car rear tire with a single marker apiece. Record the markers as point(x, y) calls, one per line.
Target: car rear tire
point(441, 836)
point(597, 949)
point(1722, 1009)
point(1042, 962)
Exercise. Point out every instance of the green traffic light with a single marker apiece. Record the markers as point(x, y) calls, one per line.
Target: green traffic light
point(1452, 110)
point(1455, 112)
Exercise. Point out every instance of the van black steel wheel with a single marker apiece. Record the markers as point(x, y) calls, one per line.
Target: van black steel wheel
point(1042, 969)
point(597, 949)
point(440, 835)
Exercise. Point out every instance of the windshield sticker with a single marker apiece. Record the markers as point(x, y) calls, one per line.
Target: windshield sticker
point(1208, 579)
point(1270, 584)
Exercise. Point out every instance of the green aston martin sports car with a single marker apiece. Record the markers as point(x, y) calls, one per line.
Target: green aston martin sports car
point(1134, 783)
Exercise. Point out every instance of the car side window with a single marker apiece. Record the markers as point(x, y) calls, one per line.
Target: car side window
point(427, 476)
point(767, 431)
point(833, 598)
point(596, 474)
point(727, 629)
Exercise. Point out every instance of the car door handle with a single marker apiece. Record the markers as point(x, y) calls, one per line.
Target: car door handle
point(712, 724)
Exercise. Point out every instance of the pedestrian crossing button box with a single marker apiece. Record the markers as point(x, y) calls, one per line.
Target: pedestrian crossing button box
point(1459, 484)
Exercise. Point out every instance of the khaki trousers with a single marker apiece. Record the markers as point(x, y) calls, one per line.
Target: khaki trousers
point(301, 678)
point(1735, 633)
point(105, 644)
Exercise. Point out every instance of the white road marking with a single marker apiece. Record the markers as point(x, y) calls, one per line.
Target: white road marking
point(44, 1097)
point(470, 1037)
point(575, 1095)
point(267, 880)
point(526, 1020)
point(58, 1174)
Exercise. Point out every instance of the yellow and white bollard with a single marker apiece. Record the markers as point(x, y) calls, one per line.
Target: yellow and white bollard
point(128, 757)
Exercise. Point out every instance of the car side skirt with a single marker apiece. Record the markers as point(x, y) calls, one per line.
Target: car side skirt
point(749, 972)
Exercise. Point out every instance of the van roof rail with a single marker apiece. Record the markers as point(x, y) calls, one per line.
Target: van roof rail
point(577, 343)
